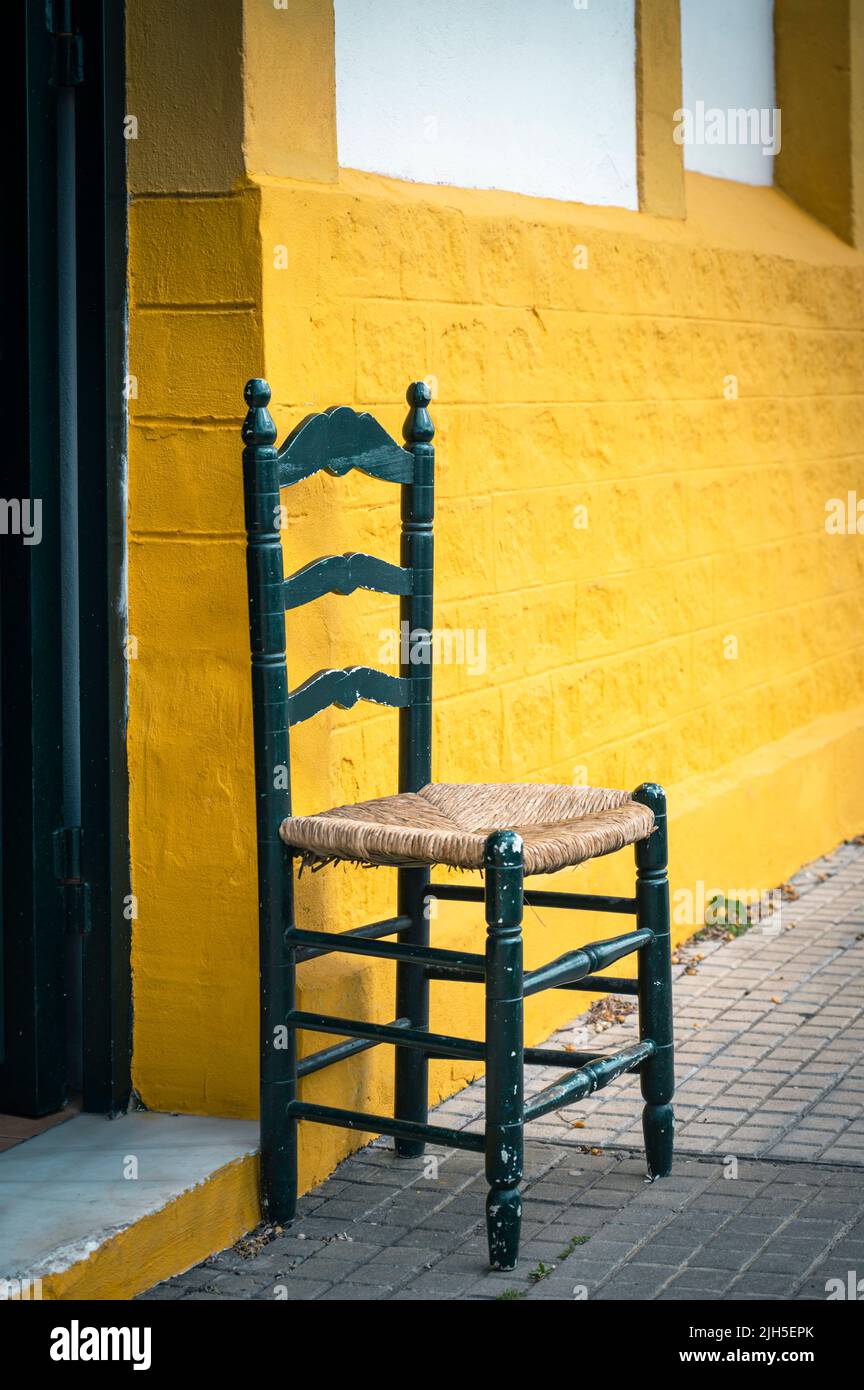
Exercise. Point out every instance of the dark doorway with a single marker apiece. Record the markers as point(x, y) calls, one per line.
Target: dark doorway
point(64, 931)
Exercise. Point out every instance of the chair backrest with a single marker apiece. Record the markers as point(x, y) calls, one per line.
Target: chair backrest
point(336, 441)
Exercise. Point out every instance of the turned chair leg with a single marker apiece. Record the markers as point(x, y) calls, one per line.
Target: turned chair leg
point(412, 1002)
point(655, 985)
point(278, 1042)
point(504, 1046)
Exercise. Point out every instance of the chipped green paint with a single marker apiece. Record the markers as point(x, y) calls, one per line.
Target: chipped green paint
point(593, 1076)
point(655, 985)
point(504, 873)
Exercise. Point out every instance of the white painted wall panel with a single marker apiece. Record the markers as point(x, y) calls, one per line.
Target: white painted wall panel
point(535, 96)
point(728, 64)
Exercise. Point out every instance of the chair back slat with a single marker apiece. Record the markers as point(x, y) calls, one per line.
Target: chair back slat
point(339, 439)
point(342, 574)
point(343, 688)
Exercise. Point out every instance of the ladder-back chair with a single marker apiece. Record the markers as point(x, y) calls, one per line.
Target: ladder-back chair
point(507, 831)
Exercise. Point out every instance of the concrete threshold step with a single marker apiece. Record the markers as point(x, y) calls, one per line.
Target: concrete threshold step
point(101, 1209)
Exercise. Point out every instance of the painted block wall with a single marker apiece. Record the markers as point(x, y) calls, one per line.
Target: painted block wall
point(558, 388)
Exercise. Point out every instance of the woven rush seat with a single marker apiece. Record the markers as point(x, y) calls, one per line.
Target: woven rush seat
point(448, 824)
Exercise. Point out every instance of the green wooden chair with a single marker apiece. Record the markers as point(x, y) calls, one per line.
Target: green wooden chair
point(507, 832)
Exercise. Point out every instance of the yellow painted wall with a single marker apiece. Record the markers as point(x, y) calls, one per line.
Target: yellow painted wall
point(557, 388)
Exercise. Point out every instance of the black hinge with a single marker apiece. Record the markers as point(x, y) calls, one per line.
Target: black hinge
point(74, 891)
point(67, 61)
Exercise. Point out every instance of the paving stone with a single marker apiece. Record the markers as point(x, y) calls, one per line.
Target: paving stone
point(301, 1290)
point(752, 1285)
point(771, 1261)
point(711, 1281)
point(726, 1256)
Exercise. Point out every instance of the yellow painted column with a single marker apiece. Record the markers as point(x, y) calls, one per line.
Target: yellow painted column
point(221, 98)
point(659, 159)
point(820, 91)
point(290, 89)
point(195, 334)
point(184, 95)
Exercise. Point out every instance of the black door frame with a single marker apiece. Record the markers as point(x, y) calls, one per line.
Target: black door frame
point(33, 1074)
point(102, 368)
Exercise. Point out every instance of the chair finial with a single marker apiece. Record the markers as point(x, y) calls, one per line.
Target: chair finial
point(258, 427)
point(418, 427)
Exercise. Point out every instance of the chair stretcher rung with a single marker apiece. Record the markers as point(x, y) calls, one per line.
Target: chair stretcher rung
point(591, 1077)
point(385, 1124)
point(556, 1057)
point(537, 897)
point(581, 902)
point(473, 976)
point(598, 984)
point(534, 1056)
point(604, 984)
point(340, 1052)
point(356, 945)
point(575, 965)
point(389, 926)
point(441, 1044)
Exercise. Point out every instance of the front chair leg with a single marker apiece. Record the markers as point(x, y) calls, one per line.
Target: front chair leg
point(278, 1042)
point(655, 985)
point(504, 868)
point(412, 1002)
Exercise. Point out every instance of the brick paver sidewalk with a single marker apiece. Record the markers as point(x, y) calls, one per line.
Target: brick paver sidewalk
point(766, 1198)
